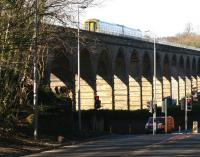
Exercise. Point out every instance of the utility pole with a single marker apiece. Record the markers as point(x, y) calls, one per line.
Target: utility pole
point(35, 80)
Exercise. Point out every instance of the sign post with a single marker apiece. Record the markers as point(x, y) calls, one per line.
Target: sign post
point(188, 107)
point(154, 118)
point(165, 104)
point(186, 118)
point(164, 110)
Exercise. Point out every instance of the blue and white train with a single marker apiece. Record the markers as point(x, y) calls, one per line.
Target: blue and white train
point(96, 25)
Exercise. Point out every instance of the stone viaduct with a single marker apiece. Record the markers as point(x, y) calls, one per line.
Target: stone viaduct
point(120, 70)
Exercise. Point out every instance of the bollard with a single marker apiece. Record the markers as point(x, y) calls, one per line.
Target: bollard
point(110, 129)
point(195, 127)
point(61, 139)
point(179, 129)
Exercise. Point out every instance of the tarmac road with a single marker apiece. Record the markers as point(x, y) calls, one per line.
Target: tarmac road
point(131, 145)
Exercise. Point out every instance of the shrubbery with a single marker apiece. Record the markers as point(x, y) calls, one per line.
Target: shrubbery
point(121, 120)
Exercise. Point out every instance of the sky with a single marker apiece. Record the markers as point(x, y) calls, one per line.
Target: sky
point(161, 17)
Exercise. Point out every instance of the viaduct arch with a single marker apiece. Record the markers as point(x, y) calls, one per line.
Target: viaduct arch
point(120, 71)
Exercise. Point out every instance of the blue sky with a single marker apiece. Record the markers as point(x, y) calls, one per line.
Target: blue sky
point(163, 17)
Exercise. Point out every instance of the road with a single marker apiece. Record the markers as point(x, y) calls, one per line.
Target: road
point(132, 145)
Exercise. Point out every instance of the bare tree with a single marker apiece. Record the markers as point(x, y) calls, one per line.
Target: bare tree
point(16, 41)
point(187, 37)
point(188, 29)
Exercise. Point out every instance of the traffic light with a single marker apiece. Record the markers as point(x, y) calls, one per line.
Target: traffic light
point(189, 104)
point(97, 102)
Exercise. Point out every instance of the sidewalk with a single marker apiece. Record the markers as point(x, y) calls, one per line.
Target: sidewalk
point(18, 146)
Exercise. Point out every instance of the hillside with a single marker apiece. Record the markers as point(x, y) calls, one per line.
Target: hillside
point(190, 39)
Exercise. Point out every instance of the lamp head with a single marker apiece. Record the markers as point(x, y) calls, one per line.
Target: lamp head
point(83, 7)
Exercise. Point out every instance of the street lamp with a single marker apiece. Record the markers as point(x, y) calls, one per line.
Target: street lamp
point(154, 83)
point(78, 47)
point(35, 92)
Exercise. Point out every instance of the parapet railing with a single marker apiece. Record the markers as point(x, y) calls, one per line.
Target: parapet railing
point(146, 38)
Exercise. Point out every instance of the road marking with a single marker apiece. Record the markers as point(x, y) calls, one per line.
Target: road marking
point(169, 140)
point(178, 137)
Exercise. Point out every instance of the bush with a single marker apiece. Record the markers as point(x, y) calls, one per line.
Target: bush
point(46, 96)
point(122, 120)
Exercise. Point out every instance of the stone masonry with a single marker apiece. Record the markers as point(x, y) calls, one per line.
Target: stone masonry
point(120, 70)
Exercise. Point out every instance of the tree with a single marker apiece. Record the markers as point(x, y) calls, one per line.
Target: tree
point(188, 37)
point(16, 45)
point(188, 29)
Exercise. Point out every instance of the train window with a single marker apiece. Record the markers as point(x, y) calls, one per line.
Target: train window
point(92, 26)
point(95, 26)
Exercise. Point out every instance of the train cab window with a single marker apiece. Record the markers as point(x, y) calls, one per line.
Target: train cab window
point(92, 26)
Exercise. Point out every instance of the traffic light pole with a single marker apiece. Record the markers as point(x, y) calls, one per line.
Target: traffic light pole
point(154, 118)
point(186, 117)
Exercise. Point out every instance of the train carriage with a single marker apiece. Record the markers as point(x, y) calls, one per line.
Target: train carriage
point(96, 25)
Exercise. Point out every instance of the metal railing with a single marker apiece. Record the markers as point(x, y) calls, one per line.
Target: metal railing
point(145, 38)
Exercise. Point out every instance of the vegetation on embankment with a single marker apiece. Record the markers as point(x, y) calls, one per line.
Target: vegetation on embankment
point(188, 37)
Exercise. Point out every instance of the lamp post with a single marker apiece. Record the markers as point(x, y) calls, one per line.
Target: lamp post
point(78, 55)
point(154, 83)
point(35, 92)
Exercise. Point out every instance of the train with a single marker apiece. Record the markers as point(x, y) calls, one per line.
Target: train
point(96, 25)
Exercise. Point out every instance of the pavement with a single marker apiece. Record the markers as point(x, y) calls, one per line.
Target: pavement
point(14, 146)
point(18, 146)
